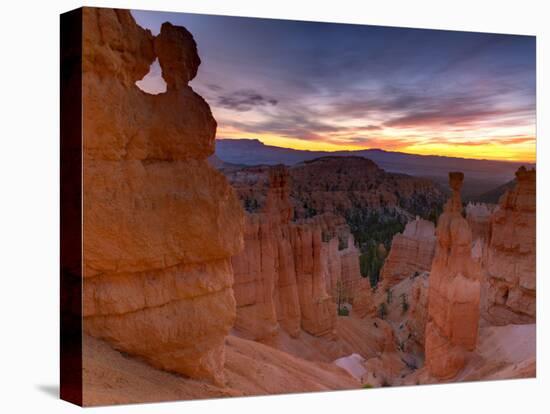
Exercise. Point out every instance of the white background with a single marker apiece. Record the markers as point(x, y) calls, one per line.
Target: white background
point(29, 207)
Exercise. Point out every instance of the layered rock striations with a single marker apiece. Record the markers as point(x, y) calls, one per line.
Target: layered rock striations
point(344, 281)
point(511, 264)
point(411, 252)
point(454, 291)
point(160, 225)
point(291, 273)
point(265, 287)
point(317, 308)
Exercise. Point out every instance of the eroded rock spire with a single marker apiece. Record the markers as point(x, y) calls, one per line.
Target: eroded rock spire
point(454, 291)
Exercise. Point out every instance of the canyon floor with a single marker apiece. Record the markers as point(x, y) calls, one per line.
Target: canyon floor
point(112, 377)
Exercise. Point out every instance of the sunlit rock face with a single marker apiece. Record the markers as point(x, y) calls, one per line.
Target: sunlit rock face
point(265, 277)
point(411, 252)
point(318, 310)
point(160, 225)
point(454, 291)
point(339, 257)
point(511, 263)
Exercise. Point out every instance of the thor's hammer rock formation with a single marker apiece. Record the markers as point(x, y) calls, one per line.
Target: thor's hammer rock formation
point(454, 291)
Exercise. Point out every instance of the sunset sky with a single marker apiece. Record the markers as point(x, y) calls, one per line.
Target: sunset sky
point(324, 86)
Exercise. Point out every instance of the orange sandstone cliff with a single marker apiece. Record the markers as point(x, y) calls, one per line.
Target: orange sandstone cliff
point(160, 225)
point(511, 290)
point(454, 291)
point(265, 278)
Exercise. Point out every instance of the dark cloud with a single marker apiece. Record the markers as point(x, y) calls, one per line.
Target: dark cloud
point(298, 122)
point(213, 87)
point(464, 111)
point(373, 142)
point(244, 100)
point(361, 105)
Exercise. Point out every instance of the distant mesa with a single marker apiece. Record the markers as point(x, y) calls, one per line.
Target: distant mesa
point(345, 185)
point(482, 176)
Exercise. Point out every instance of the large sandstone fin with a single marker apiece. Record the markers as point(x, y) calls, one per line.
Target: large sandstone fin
point(511, 261)
point(160, 225)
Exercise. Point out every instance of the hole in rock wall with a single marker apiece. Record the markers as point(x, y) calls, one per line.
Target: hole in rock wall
point(153, 83)
point(505, 296)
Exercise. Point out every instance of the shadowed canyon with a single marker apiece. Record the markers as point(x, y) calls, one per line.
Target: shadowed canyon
point(208, 278)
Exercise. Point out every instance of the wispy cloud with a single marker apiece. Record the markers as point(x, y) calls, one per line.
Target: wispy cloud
point(364, 86)
point(244, 100)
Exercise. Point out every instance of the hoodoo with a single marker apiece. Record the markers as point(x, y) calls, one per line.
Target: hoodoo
point(290, 274)
point(265, 278)
point(454, 291)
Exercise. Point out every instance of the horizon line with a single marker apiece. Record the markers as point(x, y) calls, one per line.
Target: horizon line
point(532, 162)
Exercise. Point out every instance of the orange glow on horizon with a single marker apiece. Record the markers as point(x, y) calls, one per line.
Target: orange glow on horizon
point(489, 151)
point(516, 152)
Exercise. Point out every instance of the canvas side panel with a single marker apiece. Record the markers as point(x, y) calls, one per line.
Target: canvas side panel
point(71, 207)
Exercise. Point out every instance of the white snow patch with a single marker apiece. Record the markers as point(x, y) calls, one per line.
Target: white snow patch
point(353, 364)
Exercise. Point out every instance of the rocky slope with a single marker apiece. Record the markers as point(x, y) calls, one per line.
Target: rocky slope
point(160, 225)
point(454, 291)
point(250, 369)
point(511, 264)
